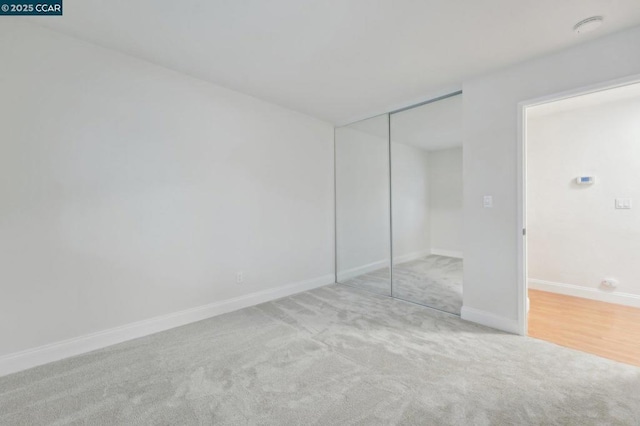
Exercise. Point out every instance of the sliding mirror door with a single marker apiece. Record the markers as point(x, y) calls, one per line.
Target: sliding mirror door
point(363, 243)
point(426, 176)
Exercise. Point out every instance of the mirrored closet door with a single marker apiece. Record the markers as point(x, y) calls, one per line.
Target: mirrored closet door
point(363, 250)
point(426, 200)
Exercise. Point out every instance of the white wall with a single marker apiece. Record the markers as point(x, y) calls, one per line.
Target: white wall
point(490, 147)
point(575, 235)
point(445, 201)
point(362, 200)
point(410, 203)
point(130, 191)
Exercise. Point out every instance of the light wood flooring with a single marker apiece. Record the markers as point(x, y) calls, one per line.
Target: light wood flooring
point(605, 329)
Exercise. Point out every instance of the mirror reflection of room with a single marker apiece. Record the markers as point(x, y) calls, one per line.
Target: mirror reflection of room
point(426, 188)
point(363, 249)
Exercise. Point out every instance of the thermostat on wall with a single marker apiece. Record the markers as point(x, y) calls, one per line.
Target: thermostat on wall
point(585, 180)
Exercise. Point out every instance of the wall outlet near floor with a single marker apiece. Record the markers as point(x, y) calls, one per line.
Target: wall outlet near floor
point(609, 283)
point(239, 277)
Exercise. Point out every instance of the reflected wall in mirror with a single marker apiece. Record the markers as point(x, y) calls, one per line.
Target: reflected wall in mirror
point(363, 247)
point(426, 176)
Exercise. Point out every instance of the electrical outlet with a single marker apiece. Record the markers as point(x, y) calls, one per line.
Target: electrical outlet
point(487, 201)
point(610, 283)
point(239, 277)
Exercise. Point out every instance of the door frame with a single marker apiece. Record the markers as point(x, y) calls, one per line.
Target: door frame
point(523, 299)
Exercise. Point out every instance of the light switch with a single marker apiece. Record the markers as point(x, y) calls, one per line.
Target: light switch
point(487, 201)
point(623, 203)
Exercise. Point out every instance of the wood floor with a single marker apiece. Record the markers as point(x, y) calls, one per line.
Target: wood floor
point(605, 329)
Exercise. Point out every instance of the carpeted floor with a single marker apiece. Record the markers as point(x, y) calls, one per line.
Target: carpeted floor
point(434, 281)
point(331, 356)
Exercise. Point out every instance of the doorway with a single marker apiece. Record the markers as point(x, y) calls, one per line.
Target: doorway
point(580, 244)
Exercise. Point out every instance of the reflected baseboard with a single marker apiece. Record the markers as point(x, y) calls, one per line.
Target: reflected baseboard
point(380, 264)
point(411, 256)
point(448, 253)
point(360, 270)
point(384, 263)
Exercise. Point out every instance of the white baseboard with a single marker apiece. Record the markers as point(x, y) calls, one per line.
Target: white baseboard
point(626, 299)
point(411, 256)
point(374, 266)
point(449, 253)
point(67, 348)
point(359, 270)
point(490, 320)
point(370, 267)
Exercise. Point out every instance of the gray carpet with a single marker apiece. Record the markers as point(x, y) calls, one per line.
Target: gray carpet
point(378, 281)
point(434, 281)
point(331, 356)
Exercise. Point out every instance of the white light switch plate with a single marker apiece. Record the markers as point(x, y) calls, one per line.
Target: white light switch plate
point(623, 203)
point(487, 201)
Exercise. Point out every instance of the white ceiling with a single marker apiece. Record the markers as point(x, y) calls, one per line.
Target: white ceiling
point(339, 60)
point(618, 94)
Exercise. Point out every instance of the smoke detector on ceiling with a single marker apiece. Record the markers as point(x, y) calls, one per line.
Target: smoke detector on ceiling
point(588, 24)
